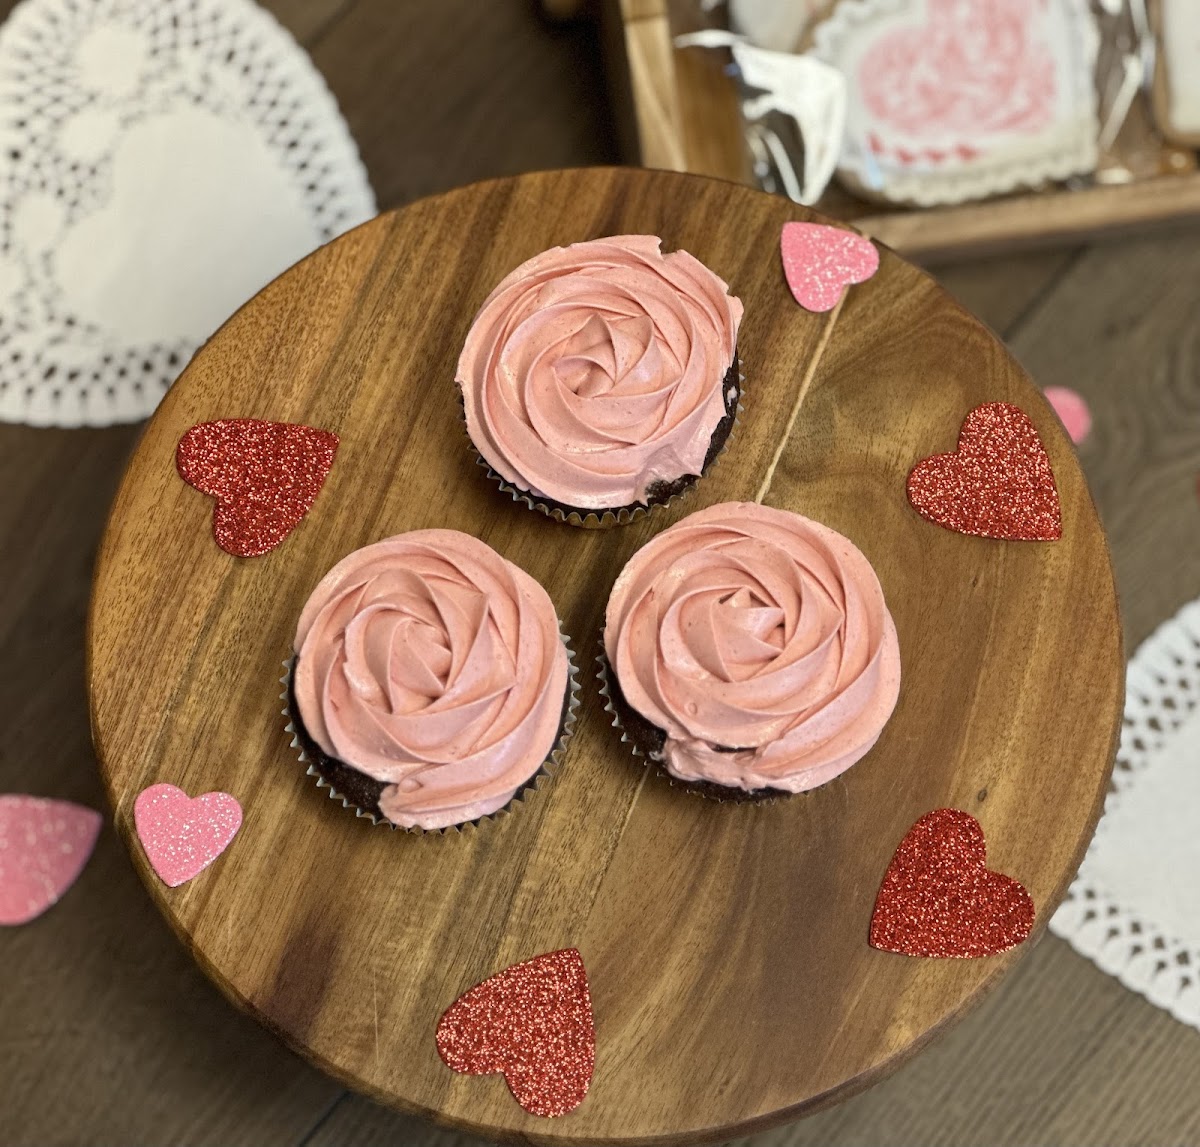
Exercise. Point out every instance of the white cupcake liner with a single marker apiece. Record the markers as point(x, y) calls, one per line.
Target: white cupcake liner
point(538, 781)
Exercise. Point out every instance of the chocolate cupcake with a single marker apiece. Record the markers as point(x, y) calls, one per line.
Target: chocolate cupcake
point(749, 652)
point(601, 379)
point(431, 684)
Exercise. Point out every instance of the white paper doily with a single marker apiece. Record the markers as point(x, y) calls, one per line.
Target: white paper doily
point(160, 161)
point(1135, 906)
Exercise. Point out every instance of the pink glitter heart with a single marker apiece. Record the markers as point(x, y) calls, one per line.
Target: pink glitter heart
point(1072, 410)
point(183, 835)
point(820, 262)
point(44, 845)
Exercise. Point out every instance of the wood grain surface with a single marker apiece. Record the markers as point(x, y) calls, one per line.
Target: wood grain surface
point(112, 1034)
point(714, 934)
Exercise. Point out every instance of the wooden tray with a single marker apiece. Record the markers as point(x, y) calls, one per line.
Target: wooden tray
point(678, 109)
point(726, 945)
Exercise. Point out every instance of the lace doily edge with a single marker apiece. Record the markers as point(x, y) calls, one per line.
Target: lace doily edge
point(1136, 953)
point(1136, 971)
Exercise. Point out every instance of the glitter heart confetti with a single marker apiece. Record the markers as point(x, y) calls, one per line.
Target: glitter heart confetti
point(265, 476)
point(820, 262)
point(1072, 410)
point(531, 1022)
point(183, 835)
point(998, 484)
point(44, 845)
point(939, 899)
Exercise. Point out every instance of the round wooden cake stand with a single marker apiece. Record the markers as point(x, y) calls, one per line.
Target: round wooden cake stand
point(726, 945)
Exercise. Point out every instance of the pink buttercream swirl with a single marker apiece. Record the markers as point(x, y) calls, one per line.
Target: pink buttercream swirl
point(434, 665)
point(752, 629)
point(594, 371)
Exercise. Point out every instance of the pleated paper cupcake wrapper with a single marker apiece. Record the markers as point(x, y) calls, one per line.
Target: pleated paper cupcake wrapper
point(705, 790)
point(538, 781)
point(606, 519)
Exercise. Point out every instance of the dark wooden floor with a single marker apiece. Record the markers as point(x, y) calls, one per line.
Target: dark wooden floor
point(109, 1034)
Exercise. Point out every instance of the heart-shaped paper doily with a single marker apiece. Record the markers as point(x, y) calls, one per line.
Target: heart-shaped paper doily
point(163, 161)
point(820, 262)
point(183, 835)
point(44, 845)
point(940, 899)
point(532, 1023)
point(957, 99)
point(998, 484)
point(264, 476)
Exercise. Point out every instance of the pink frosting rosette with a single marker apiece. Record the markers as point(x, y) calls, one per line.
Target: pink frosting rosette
point(759, 643)
point(436, 667)
point(595, 374)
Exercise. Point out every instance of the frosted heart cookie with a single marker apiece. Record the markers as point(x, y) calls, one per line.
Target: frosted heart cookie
point(431, 684)
point(951, 100)
point(749, 651)
point(601, 379)
point(1177, 76)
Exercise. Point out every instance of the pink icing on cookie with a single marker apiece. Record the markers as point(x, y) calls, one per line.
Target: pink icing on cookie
point(594, 371)
point(434, 665)
point(749, 628)
point(976, 67)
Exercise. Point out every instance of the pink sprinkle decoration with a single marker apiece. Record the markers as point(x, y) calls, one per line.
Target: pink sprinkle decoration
point(44, 845)
point(1072, 411)
point(531, 1022)
point(820, 262)
point(183, 835)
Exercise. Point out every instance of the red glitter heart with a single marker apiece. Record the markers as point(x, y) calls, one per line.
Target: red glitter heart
point(939, 899)
point(532, 1023)
point(998, 484)
point(265, 477)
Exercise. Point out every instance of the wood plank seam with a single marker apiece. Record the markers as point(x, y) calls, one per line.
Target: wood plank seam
point(324, 1118)
point(314, 39)
point(1043, 295)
